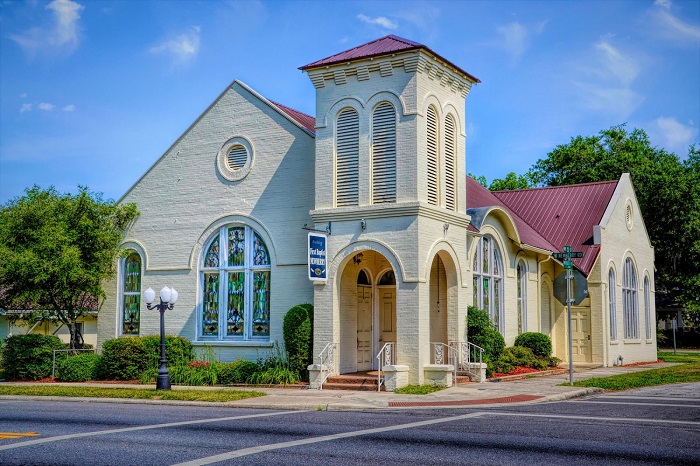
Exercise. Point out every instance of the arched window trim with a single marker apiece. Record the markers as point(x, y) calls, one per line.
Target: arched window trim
point(384, 153)
point(630, 302)
point(612, 304)
point(235, 285)
point(130, 293)
point(521, 275)
point(487, 280)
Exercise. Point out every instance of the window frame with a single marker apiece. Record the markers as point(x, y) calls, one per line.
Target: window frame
point(647, 308)
point(346, 165)
point(612, 303)
point(630, 301)
point(383, 152)
point(521, 296)
point(493, 281)
point(223, 269)
point(123, 294)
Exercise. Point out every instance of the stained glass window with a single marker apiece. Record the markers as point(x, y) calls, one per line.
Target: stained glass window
point(236, 286)
point(522, 297)
point(131, 295)
point(487, 285)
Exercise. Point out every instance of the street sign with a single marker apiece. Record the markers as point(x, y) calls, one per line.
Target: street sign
point(568, 264)
point(568, 255)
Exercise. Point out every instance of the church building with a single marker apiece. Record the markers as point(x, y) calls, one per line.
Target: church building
point(366, 212)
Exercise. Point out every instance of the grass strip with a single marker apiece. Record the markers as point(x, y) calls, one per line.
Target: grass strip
point(668, 356)
point(130, 393)
point(677, 374)
point(418, 389)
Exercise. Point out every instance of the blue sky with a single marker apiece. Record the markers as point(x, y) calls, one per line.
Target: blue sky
point(93, 92)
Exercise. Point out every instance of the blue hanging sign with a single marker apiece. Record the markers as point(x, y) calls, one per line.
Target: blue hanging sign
point(317, 256)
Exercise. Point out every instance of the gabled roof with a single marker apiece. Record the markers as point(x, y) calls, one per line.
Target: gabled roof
point(303, 119)
point(480, 199)
point(383, 46)
point(563, 215)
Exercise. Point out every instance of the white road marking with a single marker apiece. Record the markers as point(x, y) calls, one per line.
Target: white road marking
point(276, 446)
point(632, 397)
point(132, 429)
point(633, 403)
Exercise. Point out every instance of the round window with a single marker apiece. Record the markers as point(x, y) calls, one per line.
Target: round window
point(235, 159)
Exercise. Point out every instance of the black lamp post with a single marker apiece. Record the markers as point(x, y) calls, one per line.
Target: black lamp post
point(168, 296)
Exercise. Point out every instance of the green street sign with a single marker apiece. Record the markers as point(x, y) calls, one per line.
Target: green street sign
point(576, 255)
point(567, 248)
point(559, 255)
point(568, 264)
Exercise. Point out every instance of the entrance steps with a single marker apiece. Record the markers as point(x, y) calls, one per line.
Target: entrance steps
point(358, 381)
point(367, 381)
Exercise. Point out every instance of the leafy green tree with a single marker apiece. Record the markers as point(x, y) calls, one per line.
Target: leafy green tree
point(56, 250)
point(668, 191)
point(481, 179)
point(512, 182)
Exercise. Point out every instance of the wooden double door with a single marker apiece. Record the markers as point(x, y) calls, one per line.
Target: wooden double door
point(370, 341)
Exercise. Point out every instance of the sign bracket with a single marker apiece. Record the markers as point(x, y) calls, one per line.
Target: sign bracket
point(326, 231)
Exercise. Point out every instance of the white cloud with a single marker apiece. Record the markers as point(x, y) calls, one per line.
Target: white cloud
point(382, 21)
point(69, 108)
point(62, 35)
point(25, 108)
point(45, 106)
point(672, 27)
point(513, 39)
point(615, 64)
point(675, 135)
point(23, 95)
point(182, 49)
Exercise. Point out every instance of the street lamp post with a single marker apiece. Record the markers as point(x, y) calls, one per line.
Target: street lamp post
point(168, 296)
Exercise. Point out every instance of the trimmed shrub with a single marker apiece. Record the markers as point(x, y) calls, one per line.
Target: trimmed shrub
point(274, 376)
point(127, 358)
point(123, 358)
point(297, 330)
point(29, 356)
point(539, 343)
point(515, 356)
point(178, 350)
point(482, 332)
point(238, 371)
point(78, 368)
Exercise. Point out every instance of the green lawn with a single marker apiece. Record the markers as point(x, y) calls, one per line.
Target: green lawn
point(133, 393)
point(418, 389)
point(689, 371)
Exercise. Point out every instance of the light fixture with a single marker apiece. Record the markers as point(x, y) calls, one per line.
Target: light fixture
point(168, 297)
point(363, 224)
point(358, 258)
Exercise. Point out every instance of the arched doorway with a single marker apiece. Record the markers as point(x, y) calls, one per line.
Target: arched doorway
point(367, 298)
point(438, 302)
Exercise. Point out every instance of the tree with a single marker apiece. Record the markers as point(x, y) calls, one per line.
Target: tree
point(56, 250)
point(667, 189)
point(512, 182)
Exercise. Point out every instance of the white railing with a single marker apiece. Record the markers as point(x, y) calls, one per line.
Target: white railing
point(445, 354)
point(471, 357)
point(386, 357)
point(326, 362)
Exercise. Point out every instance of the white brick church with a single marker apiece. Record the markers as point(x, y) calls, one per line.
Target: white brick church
point(411, 242)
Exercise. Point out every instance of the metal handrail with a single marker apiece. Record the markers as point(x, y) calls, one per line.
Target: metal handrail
point(469, 353)
point(452, 356)
point(324, 357)
point(386, 357)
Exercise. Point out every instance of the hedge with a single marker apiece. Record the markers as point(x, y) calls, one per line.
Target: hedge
point(539, 343)
point(297, 329)
point(126, 358)
point(29, 356)
point(79, 368)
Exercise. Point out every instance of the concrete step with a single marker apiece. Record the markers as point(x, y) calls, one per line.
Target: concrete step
point(351, 386)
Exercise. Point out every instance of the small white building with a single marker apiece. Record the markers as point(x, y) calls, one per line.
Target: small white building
point(411, 241)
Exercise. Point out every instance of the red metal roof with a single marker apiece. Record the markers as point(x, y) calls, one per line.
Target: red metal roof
point(383, 46)
point(564, 215)
point(303, 119)
point(479, 197)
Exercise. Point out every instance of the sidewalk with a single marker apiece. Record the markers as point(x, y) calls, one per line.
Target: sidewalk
point(520, 390)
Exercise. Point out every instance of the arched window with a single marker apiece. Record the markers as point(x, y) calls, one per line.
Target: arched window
point(612, 304)
point(347, 146)
point(384, 154)
point(433, 159)
point(388, 278)
point(647, 308)
point(450, 163)
point(487, 274)
point(630, 308)
point(522, 297)
point(131, 294)
point(235, 284)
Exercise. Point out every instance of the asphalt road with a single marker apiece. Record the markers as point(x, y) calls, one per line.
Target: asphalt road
point(653, 427)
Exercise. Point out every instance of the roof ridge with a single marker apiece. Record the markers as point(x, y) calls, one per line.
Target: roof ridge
point(590, 183)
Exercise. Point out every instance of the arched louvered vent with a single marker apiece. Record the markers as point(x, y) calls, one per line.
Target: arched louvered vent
point(236, 158)
point(384, 154)
point(432, 155)
point(346, 164)
point(450, 165)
